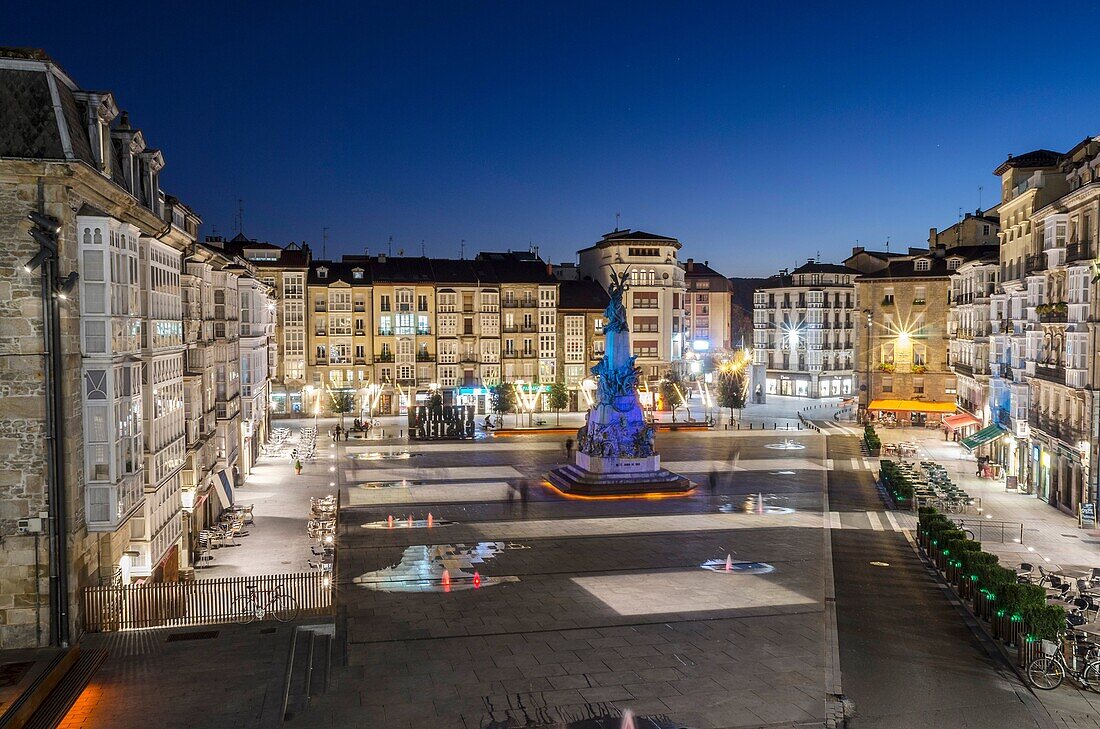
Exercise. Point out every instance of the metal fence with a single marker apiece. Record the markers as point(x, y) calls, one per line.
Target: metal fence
point(175, 604)
point(990, 530)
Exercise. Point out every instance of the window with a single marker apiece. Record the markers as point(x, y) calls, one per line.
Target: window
point(322, 272)
point(949, 387)
point(384, 303)
point(357, 273)
point(887, 384)
point(888, 296)
point(952, 264)
point(922, 264)
point(422, 303)
point(985, 230)
point(918, 385)
point(321, 352)
point(919, 294)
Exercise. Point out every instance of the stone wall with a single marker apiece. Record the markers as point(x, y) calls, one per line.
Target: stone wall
point(24, 593)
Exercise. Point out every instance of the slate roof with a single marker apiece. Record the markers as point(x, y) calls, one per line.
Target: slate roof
point(583, 295)
point(1034, 158)
point(30, 127)
point(816, 267)
point(618, 237)
point(906, 268)
point(338, 271)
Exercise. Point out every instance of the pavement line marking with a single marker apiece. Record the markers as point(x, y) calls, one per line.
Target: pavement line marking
point(855, 464)
point(893, 522)
point(876, 523)
point(833, 678)
point(867, 464)
point(834, 520)
point(829, 463)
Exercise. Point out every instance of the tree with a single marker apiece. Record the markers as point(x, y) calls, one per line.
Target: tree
point(502, 398)
point(559, 398)
point(341, 402)
point(672, 391)
point(435, 403)
point(732, 391)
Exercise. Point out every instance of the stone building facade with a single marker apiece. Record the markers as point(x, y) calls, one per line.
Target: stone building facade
point(70, 154)
point(901, 364)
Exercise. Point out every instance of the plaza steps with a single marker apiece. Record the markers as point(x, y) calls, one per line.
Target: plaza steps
point(47, 698)
point(309, 668)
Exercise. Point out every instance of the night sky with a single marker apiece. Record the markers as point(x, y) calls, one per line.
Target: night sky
point(759, 134)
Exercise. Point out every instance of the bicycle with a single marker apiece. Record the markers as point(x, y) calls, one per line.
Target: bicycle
point(278, 605)
point(1047, 672)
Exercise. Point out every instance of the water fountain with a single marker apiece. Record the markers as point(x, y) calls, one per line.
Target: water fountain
point(786, 445)
point(615, 453)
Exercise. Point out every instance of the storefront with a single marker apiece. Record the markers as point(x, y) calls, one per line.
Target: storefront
point(480, 398)
point(960, 425)
point(906, 413)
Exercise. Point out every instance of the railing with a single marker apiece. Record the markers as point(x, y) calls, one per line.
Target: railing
point(385, 332)
point(509, 303)
point(1078, 251)
point(178, 604)
point(510, 328)
point(1034, 263)
point(1053, 373)
point(425, 357)
point(385, 357)
point(1053, 317)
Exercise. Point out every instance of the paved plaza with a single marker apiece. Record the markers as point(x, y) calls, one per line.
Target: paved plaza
point(524, 607)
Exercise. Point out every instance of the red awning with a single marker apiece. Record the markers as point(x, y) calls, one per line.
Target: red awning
point(955, 422)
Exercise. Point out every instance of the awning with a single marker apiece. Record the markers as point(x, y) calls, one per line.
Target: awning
point(954, 422)
point(916, 406)
point(225, 491)
point(987, 434)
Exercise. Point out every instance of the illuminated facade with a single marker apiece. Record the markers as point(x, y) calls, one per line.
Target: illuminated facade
point(804, 323)
point(655, 300)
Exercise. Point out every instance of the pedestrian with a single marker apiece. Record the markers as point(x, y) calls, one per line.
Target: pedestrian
point(523, 497)
point(346, 435)
point(568, 449)
point(713, 484)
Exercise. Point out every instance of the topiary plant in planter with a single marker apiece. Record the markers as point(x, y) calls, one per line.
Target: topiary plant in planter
point(1015, 599)
point(1044, 622)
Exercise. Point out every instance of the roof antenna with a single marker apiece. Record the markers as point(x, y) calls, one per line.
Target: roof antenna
point(240, 216)
point(887, 244)
point(617, 216)
point(389, 247)
point(462, 249)
point(324, 243)
point(819, 256)
point(422, 248)
point(979, 198)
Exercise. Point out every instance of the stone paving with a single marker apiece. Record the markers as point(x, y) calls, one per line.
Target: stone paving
point(610, 609)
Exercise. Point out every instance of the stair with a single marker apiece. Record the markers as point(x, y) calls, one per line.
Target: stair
point(46, 701)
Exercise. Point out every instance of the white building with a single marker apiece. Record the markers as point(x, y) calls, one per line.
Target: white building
point(655, 300)
point(968, 329)
point(804, 336)
point(257, 321)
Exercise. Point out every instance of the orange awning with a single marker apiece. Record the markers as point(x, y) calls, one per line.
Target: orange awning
point(961, 420)
point(916, 406)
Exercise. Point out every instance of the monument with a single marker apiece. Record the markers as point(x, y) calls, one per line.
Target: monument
point(615, 453)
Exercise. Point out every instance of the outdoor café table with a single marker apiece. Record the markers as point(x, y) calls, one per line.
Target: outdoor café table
point(1092, 629)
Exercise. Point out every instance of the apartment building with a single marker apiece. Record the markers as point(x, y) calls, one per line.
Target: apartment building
point(468, 329)
point(804, 322)
point(284, 271)
point(338, 296)
point(110, 436)
point(969, 329)
point(1060, 351)
point(902, 368)
point(708, 304)
point(1029, 182)
point(529, 319)
point(257, 360)
point(581, 306)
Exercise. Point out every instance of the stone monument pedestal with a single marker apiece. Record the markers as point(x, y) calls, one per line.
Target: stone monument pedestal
point(615, 452)
point(611, 476)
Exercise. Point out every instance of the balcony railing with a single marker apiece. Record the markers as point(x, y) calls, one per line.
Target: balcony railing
point(384, 357)
point(509, 303)
point(1034, 263)
point(1051, 373)
point(1078, 251)
point(425, 357)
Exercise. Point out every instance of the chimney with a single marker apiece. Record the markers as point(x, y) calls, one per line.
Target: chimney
point(124, 120)
point(857, 249)
point(690, 265)
point(809, 260)
point(706, 263)
point(932, 233)
point(381, 257)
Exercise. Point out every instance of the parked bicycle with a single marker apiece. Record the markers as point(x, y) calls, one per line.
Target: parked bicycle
point(1048, 672)
point(259, 604)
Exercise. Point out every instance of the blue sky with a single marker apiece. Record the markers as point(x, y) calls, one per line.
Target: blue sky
point(758, 134)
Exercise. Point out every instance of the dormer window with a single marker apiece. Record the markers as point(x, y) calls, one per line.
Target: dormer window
point(922, 264)
point(953, 263)
point(322, 272)
point(357, 273)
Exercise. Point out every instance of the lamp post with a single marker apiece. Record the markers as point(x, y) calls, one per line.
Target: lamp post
point(870, 329)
